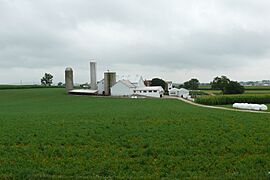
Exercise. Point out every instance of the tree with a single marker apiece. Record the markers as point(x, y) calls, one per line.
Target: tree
point(192, 84)
point(158, 82)
point(219, 83)
point(233, 87)
point(60, 84)
point(227, 86)
point(47, 80)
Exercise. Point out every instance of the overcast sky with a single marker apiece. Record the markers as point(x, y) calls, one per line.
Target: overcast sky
point(171, 39)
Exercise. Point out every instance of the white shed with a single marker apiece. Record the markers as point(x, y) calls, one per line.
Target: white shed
point(179, 92)
point(122, 88)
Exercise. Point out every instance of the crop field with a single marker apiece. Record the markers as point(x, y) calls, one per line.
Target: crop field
point(236, 98)
point(45, 133)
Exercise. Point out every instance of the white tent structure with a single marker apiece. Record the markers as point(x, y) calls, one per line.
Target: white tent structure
point(179, 92)
point(122, 88)
point(141, 82)
point(257, 107)
point(83, 92)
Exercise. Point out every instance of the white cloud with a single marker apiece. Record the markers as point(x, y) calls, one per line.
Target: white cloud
point(172, 39)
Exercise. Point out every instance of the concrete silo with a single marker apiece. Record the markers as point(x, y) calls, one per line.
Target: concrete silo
point(69, 79)
point(93, 75)
point(109, 81)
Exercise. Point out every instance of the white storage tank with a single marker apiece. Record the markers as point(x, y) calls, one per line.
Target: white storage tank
point(109, 81)
point(69, 79)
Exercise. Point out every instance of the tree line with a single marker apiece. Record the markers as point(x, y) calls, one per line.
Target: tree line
point(222, 83)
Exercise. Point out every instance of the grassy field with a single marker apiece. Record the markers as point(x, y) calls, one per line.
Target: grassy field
point(45, 133)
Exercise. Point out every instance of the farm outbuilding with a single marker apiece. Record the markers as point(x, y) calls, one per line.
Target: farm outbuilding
point(179, 92)
point(122, 88)
point(150, 91)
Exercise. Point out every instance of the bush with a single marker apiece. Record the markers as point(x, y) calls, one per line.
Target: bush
point(233, 87)
point(230, 99)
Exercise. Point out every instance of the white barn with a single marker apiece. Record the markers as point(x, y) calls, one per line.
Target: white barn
point(123, 88)
point(126, 88)
point(149, 91)
point(179, 92)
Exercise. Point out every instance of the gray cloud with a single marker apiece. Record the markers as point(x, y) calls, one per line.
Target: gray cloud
point(207, 37)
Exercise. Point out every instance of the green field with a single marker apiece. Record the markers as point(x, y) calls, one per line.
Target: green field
point(45, 133)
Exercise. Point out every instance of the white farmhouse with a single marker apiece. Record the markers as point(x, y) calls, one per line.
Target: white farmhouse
point(122, 88)
point(179, 92)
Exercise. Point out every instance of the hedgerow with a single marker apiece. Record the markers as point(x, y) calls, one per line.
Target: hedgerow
point(230, 99)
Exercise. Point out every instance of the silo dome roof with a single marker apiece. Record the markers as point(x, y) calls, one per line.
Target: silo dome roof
point(68, 69)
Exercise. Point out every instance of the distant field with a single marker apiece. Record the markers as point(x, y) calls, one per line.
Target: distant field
point(217, 92)
point(4, 87)
point(246, 87)
point(257, 92)
point(247, 91)
point(257, 87)
point(45, 133)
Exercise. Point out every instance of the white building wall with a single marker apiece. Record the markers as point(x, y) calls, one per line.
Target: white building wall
point(173, 92)
point(183, 92)
point(120, 89)
point(153, 94)
point(149, 92)
point(100, 86)
point(179, 92)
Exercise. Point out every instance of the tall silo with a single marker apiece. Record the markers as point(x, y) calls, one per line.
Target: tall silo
point(93, 75)
point(69, 79)
point(109, 81)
